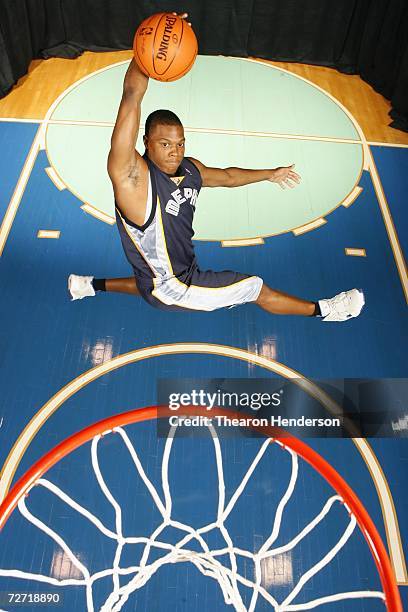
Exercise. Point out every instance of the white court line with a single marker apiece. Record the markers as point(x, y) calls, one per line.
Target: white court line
point(20, 187)
point(355, 252)
point(388, 144)
point(60, 185)
point(389, 225)
point(392, 533)
point(226, 132)
point(308, 227)
point(15, 120)
point(49, 234)
point(242, 242)
point(211, 130)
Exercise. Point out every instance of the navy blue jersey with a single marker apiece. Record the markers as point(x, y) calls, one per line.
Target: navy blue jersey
point(162, 248)
point(161, 251)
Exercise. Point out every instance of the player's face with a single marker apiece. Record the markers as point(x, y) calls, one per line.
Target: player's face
point(165, 147)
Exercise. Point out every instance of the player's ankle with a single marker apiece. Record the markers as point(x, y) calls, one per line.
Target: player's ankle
point(317, 312)
point(99, 284)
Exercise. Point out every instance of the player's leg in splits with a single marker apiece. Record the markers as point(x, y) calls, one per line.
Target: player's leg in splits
point(340, 308)
point(156, 196)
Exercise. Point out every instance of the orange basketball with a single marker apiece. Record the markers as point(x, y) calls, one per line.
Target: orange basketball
point(165, 47)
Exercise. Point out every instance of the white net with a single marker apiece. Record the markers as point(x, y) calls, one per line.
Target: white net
point(126, 581)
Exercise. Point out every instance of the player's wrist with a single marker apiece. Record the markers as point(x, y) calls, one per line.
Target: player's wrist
point(135, 79)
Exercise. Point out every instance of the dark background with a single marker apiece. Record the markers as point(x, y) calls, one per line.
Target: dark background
point(366, 37)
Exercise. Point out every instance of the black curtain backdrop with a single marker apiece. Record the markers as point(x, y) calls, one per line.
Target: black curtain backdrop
point(366, 37)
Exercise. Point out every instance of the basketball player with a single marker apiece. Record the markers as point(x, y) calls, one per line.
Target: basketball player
point(156, 196)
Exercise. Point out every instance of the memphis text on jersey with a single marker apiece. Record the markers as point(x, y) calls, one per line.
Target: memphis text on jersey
point(173, 205)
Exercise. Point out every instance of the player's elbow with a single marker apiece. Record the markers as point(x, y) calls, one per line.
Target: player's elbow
point(133, 94)
point(229, 178)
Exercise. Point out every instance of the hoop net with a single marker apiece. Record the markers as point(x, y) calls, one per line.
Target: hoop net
point(128, 580)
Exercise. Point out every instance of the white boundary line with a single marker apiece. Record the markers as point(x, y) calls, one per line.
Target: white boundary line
point(308, 227)
point(390, 227)
point(16, 120)
point(354, 252)
point(208, 130)
point(387, 144)
point(49, 234)
point(388, 509)
point(11, 211)
point(211, 130)
point(60, 185)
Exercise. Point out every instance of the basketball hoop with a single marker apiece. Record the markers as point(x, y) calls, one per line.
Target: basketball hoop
point(206, 560)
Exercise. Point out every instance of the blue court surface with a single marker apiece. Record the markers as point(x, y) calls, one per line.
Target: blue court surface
point(61, 370)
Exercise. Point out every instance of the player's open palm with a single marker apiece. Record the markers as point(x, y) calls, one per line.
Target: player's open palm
point(285, 177)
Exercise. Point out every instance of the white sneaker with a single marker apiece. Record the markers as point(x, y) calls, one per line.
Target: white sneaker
point(343, 306)
point(80, 286)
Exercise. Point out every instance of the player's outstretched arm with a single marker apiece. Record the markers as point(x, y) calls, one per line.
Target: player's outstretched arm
point(237, 177)
point(123, 159)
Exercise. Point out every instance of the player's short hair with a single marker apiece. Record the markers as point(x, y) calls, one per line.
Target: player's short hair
point(161, 117)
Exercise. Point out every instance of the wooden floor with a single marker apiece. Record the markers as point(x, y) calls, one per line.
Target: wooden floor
point(47, 79)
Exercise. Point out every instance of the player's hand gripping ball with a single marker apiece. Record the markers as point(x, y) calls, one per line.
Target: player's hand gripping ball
point(165, 46)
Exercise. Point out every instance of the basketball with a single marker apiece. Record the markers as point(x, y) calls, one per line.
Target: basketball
point(165, 47)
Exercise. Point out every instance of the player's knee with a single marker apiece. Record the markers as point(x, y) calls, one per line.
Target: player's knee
point(263, 294)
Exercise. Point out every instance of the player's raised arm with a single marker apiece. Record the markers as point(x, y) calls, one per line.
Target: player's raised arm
point(123, 160)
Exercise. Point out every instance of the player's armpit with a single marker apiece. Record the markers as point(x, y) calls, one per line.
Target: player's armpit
point(213, 177)
point(134, 172)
